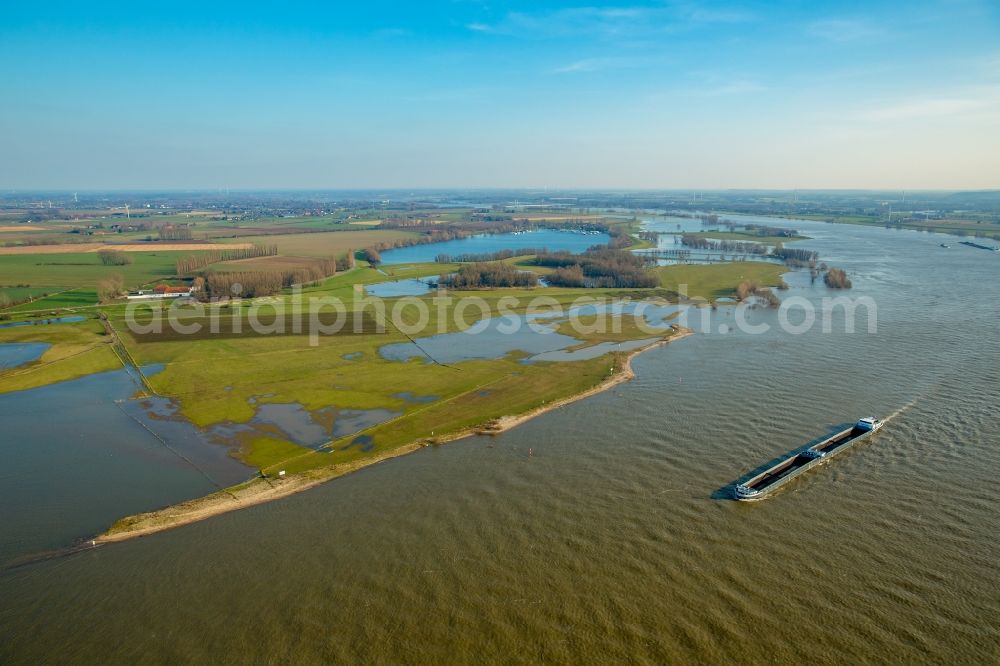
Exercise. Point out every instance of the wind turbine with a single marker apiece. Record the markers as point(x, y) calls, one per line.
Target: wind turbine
point(127, 216)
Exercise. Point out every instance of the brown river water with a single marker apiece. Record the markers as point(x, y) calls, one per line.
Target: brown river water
point(602, 532)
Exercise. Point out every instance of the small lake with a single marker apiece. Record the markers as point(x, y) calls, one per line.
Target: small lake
point(13, 354)
point(42, 322)
point(396, 288)
point(550, 239)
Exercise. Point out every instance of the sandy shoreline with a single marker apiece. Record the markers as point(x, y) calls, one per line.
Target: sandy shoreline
point(259, 490)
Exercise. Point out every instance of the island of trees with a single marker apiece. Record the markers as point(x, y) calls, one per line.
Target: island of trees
point(836, 278)
point(599, 266)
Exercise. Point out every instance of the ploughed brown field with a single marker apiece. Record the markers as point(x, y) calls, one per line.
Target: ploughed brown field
point(276, 263)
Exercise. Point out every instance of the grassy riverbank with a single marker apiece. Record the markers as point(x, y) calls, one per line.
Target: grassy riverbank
point(599, 375)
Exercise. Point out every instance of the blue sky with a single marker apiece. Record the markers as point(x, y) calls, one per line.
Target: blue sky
point(525, 94)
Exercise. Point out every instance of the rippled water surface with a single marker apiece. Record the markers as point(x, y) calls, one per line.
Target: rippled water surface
point(600, 533)
point(552, 240)
point(13, 354)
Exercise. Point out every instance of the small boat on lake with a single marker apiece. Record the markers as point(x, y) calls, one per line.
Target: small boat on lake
point(945, 245)
point(766, 482)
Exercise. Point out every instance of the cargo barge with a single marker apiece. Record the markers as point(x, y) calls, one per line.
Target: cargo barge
point(991, 248)
point(763, 484)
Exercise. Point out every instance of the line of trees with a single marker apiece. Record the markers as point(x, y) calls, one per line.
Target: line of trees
point(795, 257)
point(191, 263)
point(500, 255)
point(568, 276)
point(764, 230)
point(244, 284)
point(266, 283)
point(600, 266)
point(45, 240)
point(250, 284)
point(728, 246)
point(346, 262)
point(175, 232)
point(479, 275)
point(110, 288)
point(752, 229)
point(619, 238)
point(114, 258)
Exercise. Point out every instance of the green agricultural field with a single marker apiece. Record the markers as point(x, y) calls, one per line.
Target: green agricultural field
point(84, 269)
point(14, 294)
point(59, 299)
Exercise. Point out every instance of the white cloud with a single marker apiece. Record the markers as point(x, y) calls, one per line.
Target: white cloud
point(734, 88)
point(600, 64)
point(923, 109)
point(847, 30)
point(598, 21)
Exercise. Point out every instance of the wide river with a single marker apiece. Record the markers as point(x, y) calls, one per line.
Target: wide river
point(601, 532)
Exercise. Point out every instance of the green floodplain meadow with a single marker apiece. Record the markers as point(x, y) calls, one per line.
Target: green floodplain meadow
point(216, 380)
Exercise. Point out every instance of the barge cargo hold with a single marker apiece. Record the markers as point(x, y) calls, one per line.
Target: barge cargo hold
point(992, 248)
point(763, 484)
